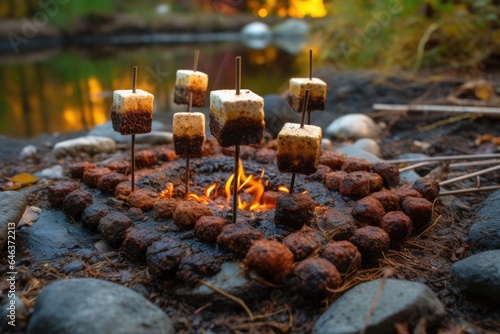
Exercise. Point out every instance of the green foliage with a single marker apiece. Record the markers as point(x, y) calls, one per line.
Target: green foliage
point(410, 34)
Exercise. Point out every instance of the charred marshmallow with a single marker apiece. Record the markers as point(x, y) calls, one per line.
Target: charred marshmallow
point(132, 113)
point(317, 93)
point(189, 133)
point(236, 119)
point(299, 148)
point(188, 81)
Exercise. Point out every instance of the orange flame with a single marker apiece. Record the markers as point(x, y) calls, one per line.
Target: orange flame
point(250, 191)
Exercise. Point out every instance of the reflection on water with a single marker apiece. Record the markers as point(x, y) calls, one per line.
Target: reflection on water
point(71, 91)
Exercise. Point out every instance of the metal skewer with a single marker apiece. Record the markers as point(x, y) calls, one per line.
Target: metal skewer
point(310, 78)
point(134, 86)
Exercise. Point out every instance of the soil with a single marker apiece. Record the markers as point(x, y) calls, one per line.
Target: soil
point(426, 257)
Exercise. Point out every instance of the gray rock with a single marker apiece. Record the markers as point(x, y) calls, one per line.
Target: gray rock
point(73, 266)
point(12, 207)
point(369, 145)
point(256, 30)
point(400, 301)
point(479, 274)
point(158, 135)
point(54, 172)
point(485, 232)
point(291, 28)
point(278, 112)
point(352, 127)
point(89, 144)
point(231, 279)
point(28, 151)
point(87, 305)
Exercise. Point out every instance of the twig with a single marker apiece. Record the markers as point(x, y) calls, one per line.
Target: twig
point(468, 190)
point(484, 111)
point(469, 175)
point(229, 296)
point(447, 158)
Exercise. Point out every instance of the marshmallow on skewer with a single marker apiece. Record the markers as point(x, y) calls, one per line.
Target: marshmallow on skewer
point(236, 119)
point(299, 148)
point(189, 81)
point(132, 113)
point(296, 92)
point(189, 133)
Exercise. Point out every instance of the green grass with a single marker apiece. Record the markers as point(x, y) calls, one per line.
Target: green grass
point(408, 35)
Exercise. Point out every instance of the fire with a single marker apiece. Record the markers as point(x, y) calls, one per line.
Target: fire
point(250, 192)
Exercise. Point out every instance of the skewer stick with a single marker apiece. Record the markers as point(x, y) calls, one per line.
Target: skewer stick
point(468, 190)
point(186, 177)
point(134, 86)
point(196, 57)
point(237, 147)
point(447, 158)
point(310, 64)
point(469, 175)
point(304, 108)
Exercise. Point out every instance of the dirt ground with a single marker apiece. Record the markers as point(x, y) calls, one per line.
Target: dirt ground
point(425, 258)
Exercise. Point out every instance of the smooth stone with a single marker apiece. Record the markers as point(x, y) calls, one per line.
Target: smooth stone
point(12, 207)
point(73, 266)
point(232, 279)
point(54, 172)
point(28, 151)
point(479, 274)
point(277, 112)
point(352, 127)
point(256, 30)
point(20, 317)
point(369, 145)
point(291, 28)
point(485, 232)
point(400, 301)
point(90, 144)
point(55, 226)
point(88, 305)
point(158, 135)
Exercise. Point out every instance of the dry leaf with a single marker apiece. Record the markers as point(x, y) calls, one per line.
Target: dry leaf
point(25, 179)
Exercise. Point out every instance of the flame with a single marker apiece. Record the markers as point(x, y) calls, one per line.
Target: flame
point(250, 192)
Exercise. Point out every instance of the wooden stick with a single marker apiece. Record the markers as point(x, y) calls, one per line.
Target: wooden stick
point(310, 64)
point(447, 158)
point(485, 111)
point(238, 75)
point(134, 79)
point(292, 183)
point(134, 86)
point(235, 182)
point(452, 165)
point(186, 177)
point(190, 106)
point(196, 57)
point(468, 190)
point(304, 107)
point(237, 147)
point(469, 175)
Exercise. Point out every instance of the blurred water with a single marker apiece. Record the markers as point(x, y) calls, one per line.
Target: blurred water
point(60, 91)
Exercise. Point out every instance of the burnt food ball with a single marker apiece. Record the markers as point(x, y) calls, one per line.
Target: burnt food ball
point(419, 210)
point(371, 241)
point(208, 228)
point(294, 210)
point(397, 225)
point(344, 255)
point(238, 238)
point(197, 266)
point(270, 259)
point(164, 256)
point(315, 276)
point(368, 211)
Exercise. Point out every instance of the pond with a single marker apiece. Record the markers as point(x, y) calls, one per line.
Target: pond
point(67, 90)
